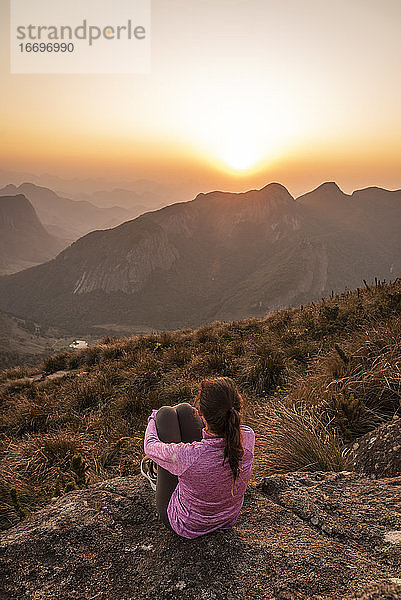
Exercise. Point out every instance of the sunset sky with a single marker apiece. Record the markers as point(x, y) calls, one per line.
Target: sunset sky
point(240, 93)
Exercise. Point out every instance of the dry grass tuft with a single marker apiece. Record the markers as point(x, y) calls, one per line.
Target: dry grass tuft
point(295, 439)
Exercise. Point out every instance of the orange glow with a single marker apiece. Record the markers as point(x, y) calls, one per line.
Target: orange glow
point(238, 96)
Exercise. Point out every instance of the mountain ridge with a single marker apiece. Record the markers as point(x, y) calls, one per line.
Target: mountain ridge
point(65, 218)
point(221, 255)
point(24, 242)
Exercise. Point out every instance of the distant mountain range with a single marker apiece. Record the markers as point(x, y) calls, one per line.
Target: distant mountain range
point(69, 219)
point(220, 256)
point(126, 193)
point(133, 202)
point(24, 241)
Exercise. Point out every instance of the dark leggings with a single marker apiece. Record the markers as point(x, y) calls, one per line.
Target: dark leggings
point(174, 424)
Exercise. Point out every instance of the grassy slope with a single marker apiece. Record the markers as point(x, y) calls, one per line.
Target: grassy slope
point(314, 378)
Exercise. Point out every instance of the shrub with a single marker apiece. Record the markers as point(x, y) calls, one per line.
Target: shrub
point(27, 417)
point(330, 313)
point(92, 355)
point(88, 394)
point(295, 439)
point(280, 320)
point(57, 362)
point(177, 356)
point(15, 373)
point(112, 352)
point(350, 416)
point(263, 371)
point(300, 352)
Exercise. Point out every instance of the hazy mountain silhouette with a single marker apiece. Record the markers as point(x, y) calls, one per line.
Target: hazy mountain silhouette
point(24, 241)
point(134, 202)
point(65, 218)
point(126, 193)
point(219, 256)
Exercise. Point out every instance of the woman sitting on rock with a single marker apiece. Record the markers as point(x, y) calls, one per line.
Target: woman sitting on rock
point(199, 460)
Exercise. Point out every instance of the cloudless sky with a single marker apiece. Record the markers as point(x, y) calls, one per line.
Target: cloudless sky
point(240, 93)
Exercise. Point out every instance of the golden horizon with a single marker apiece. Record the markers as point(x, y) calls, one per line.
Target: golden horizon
point(237, 96)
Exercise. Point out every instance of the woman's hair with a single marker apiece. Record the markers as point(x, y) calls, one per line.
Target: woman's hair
point(221, 404)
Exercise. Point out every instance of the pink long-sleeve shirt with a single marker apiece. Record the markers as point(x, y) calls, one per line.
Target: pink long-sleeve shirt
point(202, 501)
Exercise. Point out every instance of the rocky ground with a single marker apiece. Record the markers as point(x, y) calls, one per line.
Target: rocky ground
point(299, 536)
point(378, 453)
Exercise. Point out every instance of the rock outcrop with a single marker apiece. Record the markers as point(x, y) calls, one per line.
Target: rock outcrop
point(299, 536)
point(378, 453)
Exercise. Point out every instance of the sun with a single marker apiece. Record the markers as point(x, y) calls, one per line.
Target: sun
point(238, 139)
point(239, 146)
point(239, 157)
point(236, 129)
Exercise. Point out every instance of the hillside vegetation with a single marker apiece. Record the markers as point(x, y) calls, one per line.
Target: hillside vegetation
point(314, 379)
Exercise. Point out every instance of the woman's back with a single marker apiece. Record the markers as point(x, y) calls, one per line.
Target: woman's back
point(205, 498)
point(201, 484)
